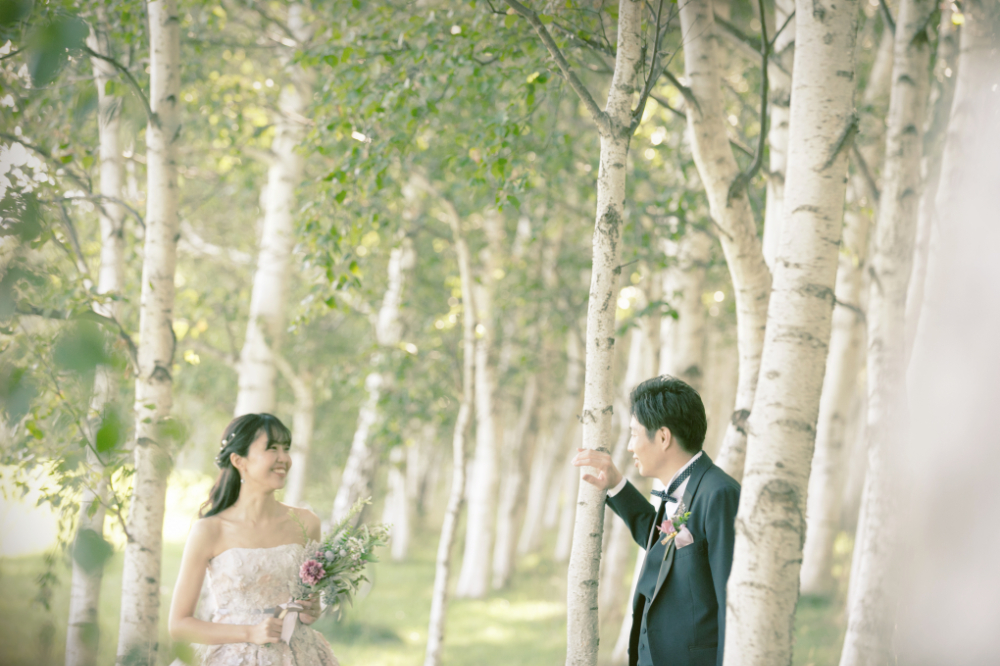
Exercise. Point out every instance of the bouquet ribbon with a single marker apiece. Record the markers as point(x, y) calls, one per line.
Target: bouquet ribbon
point(289, 617)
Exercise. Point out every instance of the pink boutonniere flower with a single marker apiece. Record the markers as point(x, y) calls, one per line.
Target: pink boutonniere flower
point(675, 527)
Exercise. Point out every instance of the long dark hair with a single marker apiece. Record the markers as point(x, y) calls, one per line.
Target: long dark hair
point(237, 438)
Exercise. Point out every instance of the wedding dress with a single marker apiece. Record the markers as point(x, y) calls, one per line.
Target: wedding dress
point(247, 584)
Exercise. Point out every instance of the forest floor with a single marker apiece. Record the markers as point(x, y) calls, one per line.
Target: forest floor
point(522, 625)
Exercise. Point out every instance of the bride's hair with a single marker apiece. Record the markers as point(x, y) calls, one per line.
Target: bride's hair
point(237, 438)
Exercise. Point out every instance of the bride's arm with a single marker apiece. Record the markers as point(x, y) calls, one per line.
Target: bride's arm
point(183, 625)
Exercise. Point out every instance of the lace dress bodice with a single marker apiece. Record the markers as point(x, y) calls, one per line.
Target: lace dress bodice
point(247, 584)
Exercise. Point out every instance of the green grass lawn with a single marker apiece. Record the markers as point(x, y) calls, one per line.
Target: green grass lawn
point(523, 625)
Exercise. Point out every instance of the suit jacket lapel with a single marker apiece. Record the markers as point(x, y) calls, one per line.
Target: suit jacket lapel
point(700, 467)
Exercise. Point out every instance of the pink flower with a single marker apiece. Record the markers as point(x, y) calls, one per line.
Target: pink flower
point(312, 572)
point(667, 527)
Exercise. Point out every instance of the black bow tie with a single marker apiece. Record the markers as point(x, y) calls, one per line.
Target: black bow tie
point(667, 495)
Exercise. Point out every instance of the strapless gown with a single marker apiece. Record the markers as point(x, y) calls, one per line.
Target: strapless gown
point(246, 581)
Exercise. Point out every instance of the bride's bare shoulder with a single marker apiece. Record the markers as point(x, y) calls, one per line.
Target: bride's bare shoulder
point(204, 535)
point(309, 520)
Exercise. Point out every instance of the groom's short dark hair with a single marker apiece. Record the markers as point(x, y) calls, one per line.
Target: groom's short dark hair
point(667, 401)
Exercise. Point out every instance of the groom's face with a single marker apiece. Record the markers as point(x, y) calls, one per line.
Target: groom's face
point(647, 453)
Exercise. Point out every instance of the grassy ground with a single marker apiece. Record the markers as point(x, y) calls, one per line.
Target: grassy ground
point(523, 625)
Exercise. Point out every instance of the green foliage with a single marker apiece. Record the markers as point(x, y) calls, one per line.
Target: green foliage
point(90, 550)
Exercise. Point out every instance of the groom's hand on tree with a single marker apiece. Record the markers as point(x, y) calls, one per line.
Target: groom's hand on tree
point(607, 475)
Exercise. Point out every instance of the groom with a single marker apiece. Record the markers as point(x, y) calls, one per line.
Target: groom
point(679, 608)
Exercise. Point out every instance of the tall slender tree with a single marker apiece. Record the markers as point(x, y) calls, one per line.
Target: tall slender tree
point(616, 124)
point(258, 371)
point(764, 582)
point(83, 629)
point(138, 639)
point(731, 213)
point(871, 617)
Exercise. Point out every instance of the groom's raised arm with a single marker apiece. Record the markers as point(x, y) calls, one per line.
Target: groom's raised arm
point(635, 510)
point(720, 530)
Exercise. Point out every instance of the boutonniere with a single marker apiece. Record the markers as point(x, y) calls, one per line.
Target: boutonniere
point(676, 527)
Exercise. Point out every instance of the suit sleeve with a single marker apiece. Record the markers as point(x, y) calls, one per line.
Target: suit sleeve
point(721, 533)
point(636, 511)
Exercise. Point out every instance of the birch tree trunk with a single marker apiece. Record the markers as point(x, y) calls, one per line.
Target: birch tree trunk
point(474, 578)
point(621, 549)
point(582, 617)
point(763, 584)
point(511, 488)
point(551, 445)
point(83, 629)
point(732, 215)
point(682, 340)
point(303, 423)
point(942, 96)
point(779, 76)
point(847, 337)
point(439, 599)
point(266, 323)
point(362, 460)
point(138, 633)
point(872, 617)
point(397, 508)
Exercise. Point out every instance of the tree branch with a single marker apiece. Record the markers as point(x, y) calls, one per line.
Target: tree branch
point(862, 165)
point(88, 315)
point(654, 73)
point(104, 197)
point(128, 77)
point(782, 29)
point(684, 90)
point(666, 105)
point(744, 178)
point(887, 18)
point(567, 71)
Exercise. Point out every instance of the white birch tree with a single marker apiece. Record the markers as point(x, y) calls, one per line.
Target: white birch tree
point(615, 125)
point(269, 298)
point(82, 629)
point(847, 337)
point(871, 616)
point(731, 213)
point(549, 449)
point(779, 104)
point(362, 459)
point(456, 495)
point(474, 577)
point(138, 633)
point(770, 525)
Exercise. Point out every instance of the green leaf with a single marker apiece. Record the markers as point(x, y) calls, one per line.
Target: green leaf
point(80, 348)
point(48, 45)
point(90, 550)
point(509, 20)
point(111, 433)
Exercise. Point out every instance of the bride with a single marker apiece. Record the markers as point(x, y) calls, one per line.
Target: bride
point(251, 546)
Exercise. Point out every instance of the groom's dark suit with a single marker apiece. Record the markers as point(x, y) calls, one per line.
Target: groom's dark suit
point(681, 618)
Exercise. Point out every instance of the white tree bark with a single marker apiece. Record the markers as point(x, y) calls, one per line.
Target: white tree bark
point(474, 578)
point(682, 341)
point(82, 630)
point(568, 508)
point(549, 449)
point(871, 619)
point(138, 633)
point(303, 423)
point(511, 487)
point(779, 76)
point(732, 215)
point(439, 599)
point(362, 460)
point(621, 549)
point(942, 96)
point(847, 337)
point(397, 506)
point(770, 526)
point(269, 298)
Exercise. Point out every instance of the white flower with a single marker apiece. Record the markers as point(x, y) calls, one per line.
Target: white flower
point(329, 556)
